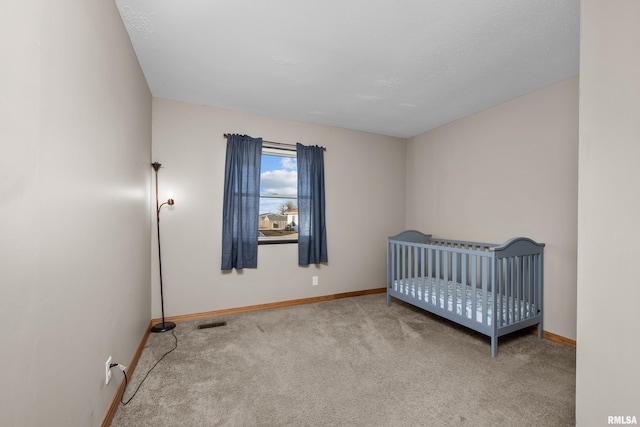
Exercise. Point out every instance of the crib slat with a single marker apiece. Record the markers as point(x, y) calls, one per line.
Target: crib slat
point(410, 268)
point(527, 300)
point(474, 285)
point(514, 288)
point(485, 284)
point(538, 282)
point(415, 278)
point(516, 296)
point(530, 288)
point(505, 295)
point(523, 288)
point(422, 261)
point(445, 302)
point(497, 294)
point(399, 264)
point(521, 284)
point(532, 285)
point(454, 280)
point(409, 251)
point(507, 290)
point(538, 279)
point(407, 269)
point(437, 277)
point(502, 290)
point(416, 273)
point(394, 263)
point(511, 306)
point(403, 266)
point(389, 270)
point(520, 287)
point(463, 281)
point(430, 273)
point(398, 273)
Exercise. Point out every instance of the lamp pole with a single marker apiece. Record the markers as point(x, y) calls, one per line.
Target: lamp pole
point(164, 326)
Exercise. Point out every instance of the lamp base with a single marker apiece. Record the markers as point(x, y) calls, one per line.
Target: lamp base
point(163, 327)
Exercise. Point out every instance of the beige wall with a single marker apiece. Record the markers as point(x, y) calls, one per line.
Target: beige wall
point(364, 195)
point(75, 133)
point(608, 367)
point(508, 171)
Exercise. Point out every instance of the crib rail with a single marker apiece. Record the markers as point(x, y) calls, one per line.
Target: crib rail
point(461, 244)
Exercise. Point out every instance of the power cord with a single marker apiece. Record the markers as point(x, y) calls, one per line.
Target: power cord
point(126, 381)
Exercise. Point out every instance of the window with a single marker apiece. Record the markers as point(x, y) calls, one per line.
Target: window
point(278, 220)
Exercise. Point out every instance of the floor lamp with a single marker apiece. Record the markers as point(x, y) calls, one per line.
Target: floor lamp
point(164, 326)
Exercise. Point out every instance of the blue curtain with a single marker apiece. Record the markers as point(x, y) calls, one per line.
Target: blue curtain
point(241, 202)
point(312, 231)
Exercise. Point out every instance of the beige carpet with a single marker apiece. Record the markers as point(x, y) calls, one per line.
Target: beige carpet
point(349, 362)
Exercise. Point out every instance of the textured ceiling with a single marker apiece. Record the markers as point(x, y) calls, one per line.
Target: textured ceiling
point(392, 67)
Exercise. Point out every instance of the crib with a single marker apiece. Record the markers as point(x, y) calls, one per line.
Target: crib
point(491, 288)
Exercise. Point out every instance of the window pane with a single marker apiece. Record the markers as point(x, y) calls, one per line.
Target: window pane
point(279, 175)
point(278, 201)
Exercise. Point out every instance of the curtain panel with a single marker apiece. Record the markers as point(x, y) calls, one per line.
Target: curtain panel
point(241, 202)
point(312, 231)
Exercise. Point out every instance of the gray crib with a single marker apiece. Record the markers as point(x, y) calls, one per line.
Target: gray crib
point(490, 288)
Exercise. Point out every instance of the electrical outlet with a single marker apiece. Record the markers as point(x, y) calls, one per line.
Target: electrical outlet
point(314, 280)
point(107, 371)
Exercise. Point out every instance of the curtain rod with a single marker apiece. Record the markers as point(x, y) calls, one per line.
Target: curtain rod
point(282, 145)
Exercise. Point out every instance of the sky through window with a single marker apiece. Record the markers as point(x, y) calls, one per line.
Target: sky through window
point(278, 176)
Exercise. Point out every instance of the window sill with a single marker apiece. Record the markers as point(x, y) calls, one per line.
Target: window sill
point(277, 241)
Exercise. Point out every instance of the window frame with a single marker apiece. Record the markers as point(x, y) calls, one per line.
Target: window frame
point(281, 150)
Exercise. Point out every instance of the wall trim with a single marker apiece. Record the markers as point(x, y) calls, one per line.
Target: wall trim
point(559, 339)
point(115, 402)
point(268, 306)
point(550, 336)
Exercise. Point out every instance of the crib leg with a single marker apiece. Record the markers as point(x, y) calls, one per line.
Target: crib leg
point(494, 346)
point(388, 299)
point(540, 330)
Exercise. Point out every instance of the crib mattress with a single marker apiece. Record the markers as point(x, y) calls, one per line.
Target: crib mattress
point(454, 299)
